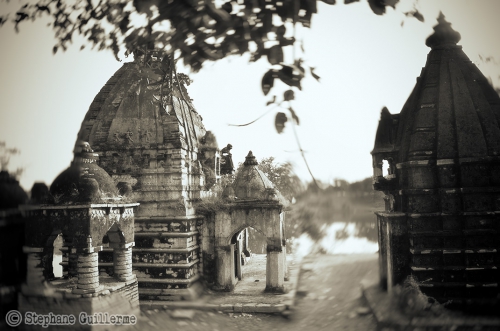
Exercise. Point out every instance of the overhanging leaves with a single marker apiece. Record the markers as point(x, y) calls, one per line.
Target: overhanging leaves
point(267, 81)
point(279, 121)
point(287, 76)
point(314, 74)
point(200, 30)
point(288, 95)
point(275, 55)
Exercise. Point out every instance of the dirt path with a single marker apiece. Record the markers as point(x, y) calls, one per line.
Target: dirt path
point(331, 300)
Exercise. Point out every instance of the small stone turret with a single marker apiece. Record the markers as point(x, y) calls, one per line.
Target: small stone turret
point(86, 214)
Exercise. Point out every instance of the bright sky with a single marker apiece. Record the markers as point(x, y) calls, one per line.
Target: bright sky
point(365, 62)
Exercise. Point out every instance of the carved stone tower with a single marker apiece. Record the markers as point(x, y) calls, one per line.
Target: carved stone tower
point(442, 186)
point(152, 142)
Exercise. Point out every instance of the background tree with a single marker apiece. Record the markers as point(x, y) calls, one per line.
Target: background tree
point(282, 176)
point(5, 154)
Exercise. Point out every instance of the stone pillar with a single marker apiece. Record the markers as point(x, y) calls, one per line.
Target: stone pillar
point(285, 264)
point(225, 267)
point(122, 264)
point(34, 274)
point(275, 272)
point(239, 251)
point(382, 250)
point(72, 262)
point(88, 272)
point(398, 249)
point(394, 249)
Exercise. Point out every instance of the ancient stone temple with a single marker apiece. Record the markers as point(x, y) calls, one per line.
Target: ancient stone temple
point(84, 212)
point(152, 142)
point(442, 184)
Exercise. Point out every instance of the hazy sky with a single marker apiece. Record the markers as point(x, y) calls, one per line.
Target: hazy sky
point(365, 62)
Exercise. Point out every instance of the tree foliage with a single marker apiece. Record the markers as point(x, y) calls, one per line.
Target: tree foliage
point(5, 155)
point(282, 176)
point(195, 31)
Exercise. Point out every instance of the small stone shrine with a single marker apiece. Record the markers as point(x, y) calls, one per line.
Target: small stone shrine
point(441, 221)
point(252, 201)
point(85, 210)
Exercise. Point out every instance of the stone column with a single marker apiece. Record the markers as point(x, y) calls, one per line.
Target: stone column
point(382, 246)
point(88, 271)
point(285, 264)
point(275, 273)
point(122, 264)
point(398, 250)
point(34, 273)
point(225, 267)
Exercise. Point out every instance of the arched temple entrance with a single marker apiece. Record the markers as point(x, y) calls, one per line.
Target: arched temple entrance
point(265, 217)
point(256, 204)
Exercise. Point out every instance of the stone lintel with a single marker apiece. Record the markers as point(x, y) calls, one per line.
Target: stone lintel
point(390, 214)
point(167, 219)
point(86, 250)
point(24, 208)
point(27, 249)
point(121, 245)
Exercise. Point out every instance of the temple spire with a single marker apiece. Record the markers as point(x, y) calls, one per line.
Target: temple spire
point(443, 34)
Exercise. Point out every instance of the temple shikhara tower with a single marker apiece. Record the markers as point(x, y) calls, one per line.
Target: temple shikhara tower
point(441, 222)
point(148, 136)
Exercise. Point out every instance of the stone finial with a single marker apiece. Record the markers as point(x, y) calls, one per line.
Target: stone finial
point(83, 153)
point(250, 159)
point(443, 34)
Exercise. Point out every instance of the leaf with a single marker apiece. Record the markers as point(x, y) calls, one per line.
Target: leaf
point(227, 7)
point(313, 74)
point(286, 76)
point(297, 66)
point(329, 2)
point(54, 49)
point(391, 3)
point(415, 13)
point(346, 2)
point(286, 41)
point(275, 55)
point(267, 81)
point(270, 102)
point(280, 31)
point(377, 6)
point(294, 115)
point(289, 95)
point(418, 16)
point(279, 121)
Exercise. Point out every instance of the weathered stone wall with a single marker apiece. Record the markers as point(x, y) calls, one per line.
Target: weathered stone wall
point(167, 257)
